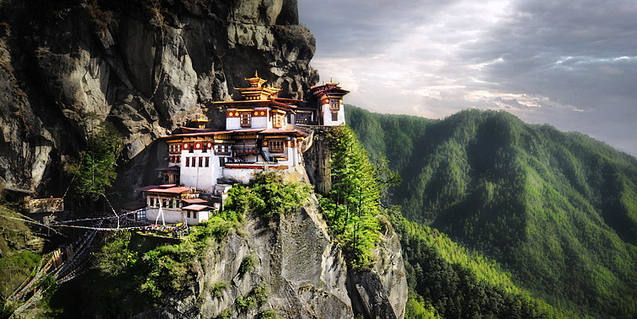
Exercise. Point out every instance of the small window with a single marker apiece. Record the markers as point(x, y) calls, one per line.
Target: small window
point(335, 105)
point(222, 149)
point(246, 119)
point(334, 116)
point(201, 162)
point(187, 161)
point(276, 146)
point(277, 120)
point(207, 162)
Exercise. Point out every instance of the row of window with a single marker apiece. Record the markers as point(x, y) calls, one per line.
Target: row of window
point(201, 161)
point(274, 146)
point(174, 148)
point(245, 120)
point(223, 149)
point(191, 214)
point(165, 202)
point(278, 120)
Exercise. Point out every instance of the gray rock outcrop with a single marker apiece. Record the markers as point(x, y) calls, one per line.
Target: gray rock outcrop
point(381, 292)
point(303, 271)
point(146, 66)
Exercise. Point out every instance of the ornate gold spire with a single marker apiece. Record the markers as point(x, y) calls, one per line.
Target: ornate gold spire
point(256, 81)
point(256, 90)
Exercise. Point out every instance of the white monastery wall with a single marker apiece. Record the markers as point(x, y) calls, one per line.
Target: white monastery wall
point(233, 123)
point(171, 216)
point(327, 115)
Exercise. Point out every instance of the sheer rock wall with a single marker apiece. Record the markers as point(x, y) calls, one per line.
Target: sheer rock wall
point(146, 66)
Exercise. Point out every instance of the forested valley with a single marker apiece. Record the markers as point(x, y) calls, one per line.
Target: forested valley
point(499, 218)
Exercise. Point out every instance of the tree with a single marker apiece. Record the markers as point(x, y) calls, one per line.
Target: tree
point(355, 197)
point(96, 170)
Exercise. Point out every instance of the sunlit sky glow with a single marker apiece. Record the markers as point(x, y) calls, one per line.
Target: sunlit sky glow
point(571, 64)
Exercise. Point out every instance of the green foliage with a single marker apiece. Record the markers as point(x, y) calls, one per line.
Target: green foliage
point(256, 297)
point(452, 281)
point(353, 204)
point(133, 278)
point(115, 257)
point(216, 289)
point(417, 308)
point(248, 264)
point(225, 314)
point(166, 269)
point(559, 209)
point(96, 171)
point(268, 314)
point(18, 258)
point(268, 196)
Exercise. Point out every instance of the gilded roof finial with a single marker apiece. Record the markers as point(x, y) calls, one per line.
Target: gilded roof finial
point(332, 82)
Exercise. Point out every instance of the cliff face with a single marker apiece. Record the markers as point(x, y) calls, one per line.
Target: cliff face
point(302, 272)
point(146, 66)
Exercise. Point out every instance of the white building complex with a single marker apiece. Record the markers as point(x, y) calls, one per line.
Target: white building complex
point(260, 135)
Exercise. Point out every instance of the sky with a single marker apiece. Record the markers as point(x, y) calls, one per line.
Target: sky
point(569, 63)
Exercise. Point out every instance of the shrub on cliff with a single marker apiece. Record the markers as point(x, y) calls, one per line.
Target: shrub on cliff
point(268, 196)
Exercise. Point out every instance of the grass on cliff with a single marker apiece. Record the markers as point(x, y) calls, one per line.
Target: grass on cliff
point(19, 253)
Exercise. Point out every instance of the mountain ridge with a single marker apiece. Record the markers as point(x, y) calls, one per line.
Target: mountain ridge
point(557, 209)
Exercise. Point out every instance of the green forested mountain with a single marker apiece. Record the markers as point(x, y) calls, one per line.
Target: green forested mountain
point(557, 210)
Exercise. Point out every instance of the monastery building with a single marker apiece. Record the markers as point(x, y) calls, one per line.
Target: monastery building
point(260, 134)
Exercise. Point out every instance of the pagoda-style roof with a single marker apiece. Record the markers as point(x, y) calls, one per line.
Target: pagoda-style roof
point(256, 81)
point(330, 89)
point(200, 122)
point(257, 91)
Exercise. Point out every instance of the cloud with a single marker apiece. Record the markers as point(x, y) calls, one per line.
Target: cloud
point(572, 64)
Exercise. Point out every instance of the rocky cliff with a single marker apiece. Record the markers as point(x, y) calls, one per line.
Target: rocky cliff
point(298, 272)
point(144, 65)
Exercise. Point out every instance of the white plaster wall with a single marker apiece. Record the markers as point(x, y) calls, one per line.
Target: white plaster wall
point(171, 216)
point(233, 123)
point(292, 157)
point(216, 170)
point(261, 122)
point(202, 178)
point(202, 216)
point(327, 115)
